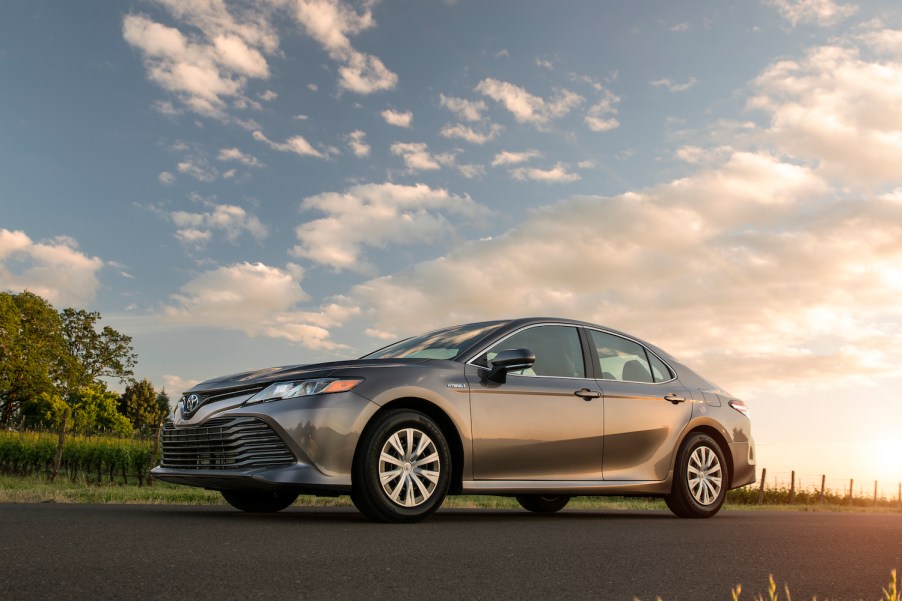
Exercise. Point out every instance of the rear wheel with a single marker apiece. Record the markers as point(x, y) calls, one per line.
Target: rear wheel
point(543, 503)
point(257, 501)
point(403, 468)
point(700, 478)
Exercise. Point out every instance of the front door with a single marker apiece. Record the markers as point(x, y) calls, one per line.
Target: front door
point(535, 426)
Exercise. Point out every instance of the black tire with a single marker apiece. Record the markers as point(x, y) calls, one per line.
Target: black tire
point(700, 479)
point(259, 501)
point(413, 483)
point(543, 503)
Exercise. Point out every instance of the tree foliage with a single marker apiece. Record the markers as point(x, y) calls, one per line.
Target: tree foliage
point(50, 360)
point(33, 355)
point(92, 408)
point(141, 405)
point(94, 355)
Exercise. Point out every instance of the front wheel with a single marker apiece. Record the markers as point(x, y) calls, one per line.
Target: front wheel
point(700, 478)
point(257, 501)
point(543, 503)
point(402, 470)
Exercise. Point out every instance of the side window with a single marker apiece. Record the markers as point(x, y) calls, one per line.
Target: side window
point(659, 369)
point(621, 359)
point(557, 348)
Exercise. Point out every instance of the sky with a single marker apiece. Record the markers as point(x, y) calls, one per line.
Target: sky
point(246, 184)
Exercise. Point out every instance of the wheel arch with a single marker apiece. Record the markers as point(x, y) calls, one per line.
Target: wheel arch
point(442, 420)
point(721, 442)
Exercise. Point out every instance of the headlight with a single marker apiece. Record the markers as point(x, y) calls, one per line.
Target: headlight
point(291, 390)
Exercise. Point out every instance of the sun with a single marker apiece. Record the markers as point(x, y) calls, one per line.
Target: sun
point(887, 458)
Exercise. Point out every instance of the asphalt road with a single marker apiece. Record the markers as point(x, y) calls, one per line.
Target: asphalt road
point(174, 552)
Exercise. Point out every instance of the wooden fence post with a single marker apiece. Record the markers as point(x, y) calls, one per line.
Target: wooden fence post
point(851, 490)
point(875, 493)
point(792, 487)
point(156, 453)
point(59, 447)
point(823, 482)
point(761, 488)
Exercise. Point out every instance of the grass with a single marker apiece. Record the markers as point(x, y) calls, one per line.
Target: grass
point(890, 593)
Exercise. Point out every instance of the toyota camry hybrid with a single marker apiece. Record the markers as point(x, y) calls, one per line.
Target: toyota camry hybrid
point(540, 409)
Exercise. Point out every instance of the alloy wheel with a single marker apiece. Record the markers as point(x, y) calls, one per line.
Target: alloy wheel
point(409, 467)
point(704, 475)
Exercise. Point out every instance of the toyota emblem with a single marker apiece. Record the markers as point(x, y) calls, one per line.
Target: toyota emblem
point(191, 403)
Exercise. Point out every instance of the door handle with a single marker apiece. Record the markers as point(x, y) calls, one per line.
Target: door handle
point(586, 394)
point(674, 398)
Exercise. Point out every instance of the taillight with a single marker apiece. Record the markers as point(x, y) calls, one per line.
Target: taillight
point(740, 407)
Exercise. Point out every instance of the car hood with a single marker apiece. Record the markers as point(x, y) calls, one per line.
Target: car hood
point(252, 379)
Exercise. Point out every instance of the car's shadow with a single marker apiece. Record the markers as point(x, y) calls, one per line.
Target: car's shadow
point(348, 515)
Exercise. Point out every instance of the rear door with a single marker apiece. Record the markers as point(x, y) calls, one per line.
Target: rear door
point(645, 408)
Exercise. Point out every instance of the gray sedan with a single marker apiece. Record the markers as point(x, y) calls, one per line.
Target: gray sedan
point(540, 409)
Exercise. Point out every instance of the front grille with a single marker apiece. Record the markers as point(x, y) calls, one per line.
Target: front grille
point(225, 443)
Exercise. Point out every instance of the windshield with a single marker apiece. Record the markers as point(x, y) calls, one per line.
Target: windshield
point(440, 344)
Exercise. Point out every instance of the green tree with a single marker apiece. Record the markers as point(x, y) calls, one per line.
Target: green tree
point(33, 354)
point(93, 409)
point(164, 405)
point(92, 354)
point(141, 405)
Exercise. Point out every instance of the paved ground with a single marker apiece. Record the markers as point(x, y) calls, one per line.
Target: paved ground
point(187, 553)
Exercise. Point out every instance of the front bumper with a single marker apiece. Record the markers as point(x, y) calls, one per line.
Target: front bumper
point(306, 444)
point(300, 477)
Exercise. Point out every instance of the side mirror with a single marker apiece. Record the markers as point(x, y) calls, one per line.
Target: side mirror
point(510, 360)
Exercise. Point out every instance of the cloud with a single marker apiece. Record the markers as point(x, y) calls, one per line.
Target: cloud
point(557, 174)
point(54, 269)
point(815, 12)
point(330, 22)
point(507, 157)
point(601, 115)
point(217, 48)
point(296, 144)
point(377, 216)
point(756, 286)
point(234, 154)
point(471, 171)
point(471, 134)
point(358, 144)
point(545, 64)
point(208, 68)
point(196, 229)
point(883, 41)
point(198, 169)
point(785, 264)
point(526, 107)
point(418, 158)
point(672, 86)
point(254, 298)
point(680, 27)
point(836, 108)
point(397, 118)
point(466, 110)
point(176, 385)
point(166, 178)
